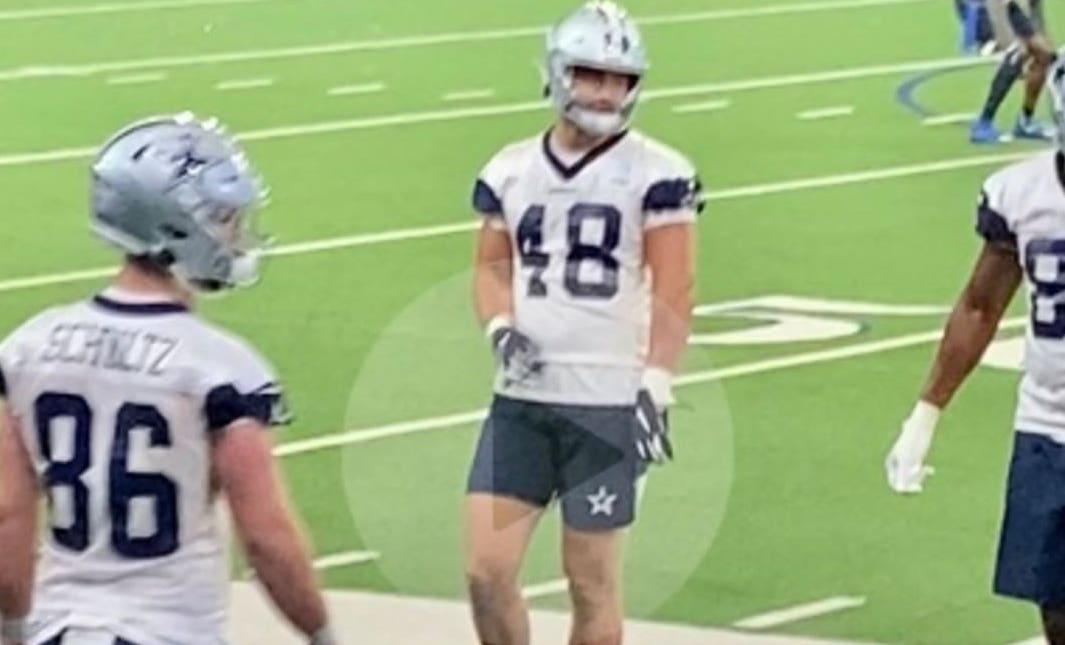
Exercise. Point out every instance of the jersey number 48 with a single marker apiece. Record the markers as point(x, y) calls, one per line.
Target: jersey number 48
point(530, 244)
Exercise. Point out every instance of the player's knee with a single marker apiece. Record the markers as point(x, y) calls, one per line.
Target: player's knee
point(487, 579)
point(595, 586)
point(1040, 57)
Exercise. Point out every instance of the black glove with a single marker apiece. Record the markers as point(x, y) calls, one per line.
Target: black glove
point(516, 353)
point(652, 430)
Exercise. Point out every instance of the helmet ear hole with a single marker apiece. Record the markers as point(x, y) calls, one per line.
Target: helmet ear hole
point(164, 258)
point(157, 264)
point(172, 232)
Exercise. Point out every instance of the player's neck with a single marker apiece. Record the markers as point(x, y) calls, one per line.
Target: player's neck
point(140, 282)
point(567, 137)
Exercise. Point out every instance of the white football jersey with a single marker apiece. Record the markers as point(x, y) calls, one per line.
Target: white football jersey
point(117, 399)
point(580, 287)
point(1023, 205)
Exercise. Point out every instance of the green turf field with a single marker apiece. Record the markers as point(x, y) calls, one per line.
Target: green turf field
point(777, 498)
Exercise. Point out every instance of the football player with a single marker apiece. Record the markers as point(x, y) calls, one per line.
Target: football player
point(583, 282)
point(1021, 218)
point(133, 416)
point(1019, 30)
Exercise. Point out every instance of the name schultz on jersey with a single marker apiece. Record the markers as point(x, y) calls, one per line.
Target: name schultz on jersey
point(110, 348)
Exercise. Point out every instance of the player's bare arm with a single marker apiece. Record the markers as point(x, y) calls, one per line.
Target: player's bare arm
point(669, 253)
point(969, 329)
point(18, 529)
point(274, 544)
point(669, 256)
point(973, 321)
point(492, 271)
point(494, 301)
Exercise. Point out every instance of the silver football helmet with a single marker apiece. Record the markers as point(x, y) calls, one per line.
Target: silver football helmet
point(178, 190)
point(600, 36)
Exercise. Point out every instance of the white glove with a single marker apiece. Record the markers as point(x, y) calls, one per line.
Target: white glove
point(905, 465)
point(652, 421)
point(13, 631)
point(324, 636)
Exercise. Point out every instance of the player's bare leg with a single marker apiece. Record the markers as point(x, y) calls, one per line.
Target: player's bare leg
point(1054, 624)
point(592, 564)
point(1040, 56)
point(498, 530)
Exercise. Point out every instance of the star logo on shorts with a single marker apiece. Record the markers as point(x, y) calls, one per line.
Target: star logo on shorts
point(602, 502)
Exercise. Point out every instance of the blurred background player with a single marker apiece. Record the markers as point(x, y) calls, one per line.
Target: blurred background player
point(976, 34)
point(1018, 30)
point(1021, 218)
point(584, 227)
point(133, 415)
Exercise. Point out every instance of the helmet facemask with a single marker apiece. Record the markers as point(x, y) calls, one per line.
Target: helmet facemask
point(588, 119)
point(599, 36)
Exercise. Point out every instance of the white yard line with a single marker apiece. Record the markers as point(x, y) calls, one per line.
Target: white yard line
point(348, 90)
point(468, 95)
point(799, 612)
point(875, 174)
point(705, 106)
point(368, 123)
point(826, 113)
point(111, 7)
point(243, 84)
point(544, 589)
point(770, 10)
point(455, 114)
point(67, 277)
point(808, 78)
point(949, 119)
point(136, 79)
point(1038, 640)
point(346, 559)
point(459, 37)
point(363, 239)
point(47, 156)
point(362, 435)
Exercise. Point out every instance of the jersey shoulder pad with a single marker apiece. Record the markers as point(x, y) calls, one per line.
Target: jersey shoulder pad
point(498, 174)
point(1006, 195)
point(671, 180)
point(237, 380)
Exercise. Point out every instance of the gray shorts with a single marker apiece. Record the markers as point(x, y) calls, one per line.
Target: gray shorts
point(1004, 35)
point(585, 456)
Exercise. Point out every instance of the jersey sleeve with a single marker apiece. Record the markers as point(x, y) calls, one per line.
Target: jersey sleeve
point(993, 217)
point(14, 351)
point(673, 194)
point(244, 385)
point(488, 188)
